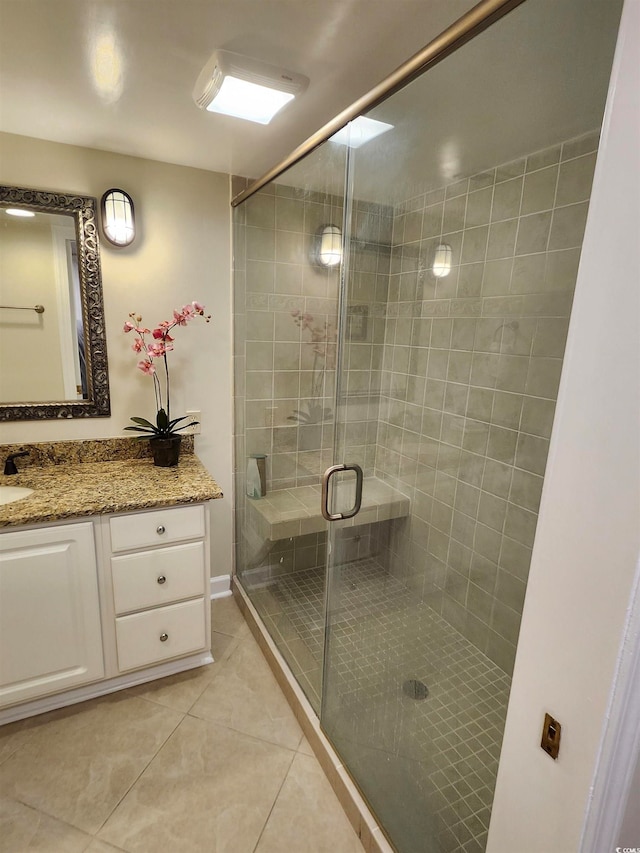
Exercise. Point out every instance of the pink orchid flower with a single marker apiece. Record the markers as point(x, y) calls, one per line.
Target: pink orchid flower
point(128, 327)
point(198, 307)
point(137, 346)
point(156, 350)
point(146, 367)
point(179, 318)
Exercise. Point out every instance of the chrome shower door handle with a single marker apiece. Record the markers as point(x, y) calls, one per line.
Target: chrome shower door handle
point(331, 470)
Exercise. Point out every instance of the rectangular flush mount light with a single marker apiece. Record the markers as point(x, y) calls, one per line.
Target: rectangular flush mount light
point(246, 88)
point(359, 131)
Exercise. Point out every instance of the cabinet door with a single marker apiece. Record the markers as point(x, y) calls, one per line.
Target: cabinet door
point(50, 634)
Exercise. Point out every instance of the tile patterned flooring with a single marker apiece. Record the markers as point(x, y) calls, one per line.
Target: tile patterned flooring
point(428, 767)
point(210, 760)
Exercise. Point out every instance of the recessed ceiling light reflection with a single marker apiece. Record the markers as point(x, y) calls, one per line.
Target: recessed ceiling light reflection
point(359, 131)
point(107, 67)
point(15, 211)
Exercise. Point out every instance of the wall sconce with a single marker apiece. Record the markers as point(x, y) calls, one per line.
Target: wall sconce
point(328, 247)
point(442, 260)
point(118, 218)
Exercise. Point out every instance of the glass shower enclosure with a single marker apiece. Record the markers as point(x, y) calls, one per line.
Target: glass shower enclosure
point(402, 303)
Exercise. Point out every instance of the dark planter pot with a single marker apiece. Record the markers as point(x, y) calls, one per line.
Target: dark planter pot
point(165, 451)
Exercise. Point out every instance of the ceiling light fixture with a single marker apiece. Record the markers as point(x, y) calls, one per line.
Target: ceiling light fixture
point(118, 218)
point(442, 260)
point(359, 131)
point(245, 88)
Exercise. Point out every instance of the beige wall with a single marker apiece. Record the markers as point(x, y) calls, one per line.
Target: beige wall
point(181, 253)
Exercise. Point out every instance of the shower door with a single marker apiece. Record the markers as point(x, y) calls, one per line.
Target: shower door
point(286, 286)
point(463, 228)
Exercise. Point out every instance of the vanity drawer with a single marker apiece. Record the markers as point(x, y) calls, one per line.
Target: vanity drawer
point(160, 527)
point(150, 578)
point(156, 635)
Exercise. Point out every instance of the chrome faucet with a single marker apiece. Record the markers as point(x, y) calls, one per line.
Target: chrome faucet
point(10, 465)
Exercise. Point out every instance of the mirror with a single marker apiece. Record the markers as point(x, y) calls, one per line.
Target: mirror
point(53, 355)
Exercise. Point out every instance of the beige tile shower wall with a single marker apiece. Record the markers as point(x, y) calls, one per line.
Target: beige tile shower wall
point(289, 369)
point(470, 376)
point(367, 290)
point(286, 317)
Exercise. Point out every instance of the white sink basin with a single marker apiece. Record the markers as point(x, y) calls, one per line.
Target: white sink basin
point(8, 494)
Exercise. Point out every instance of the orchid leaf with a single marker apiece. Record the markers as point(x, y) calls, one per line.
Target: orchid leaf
point(175, 421)
point(142, 422)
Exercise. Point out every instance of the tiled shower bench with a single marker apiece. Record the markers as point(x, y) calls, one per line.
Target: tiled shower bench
point(286, 513)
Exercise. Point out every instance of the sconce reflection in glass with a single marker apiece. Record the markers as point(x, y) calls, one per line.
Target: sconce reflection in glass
point(328, 247)
point(442, 260)
point(118, 218)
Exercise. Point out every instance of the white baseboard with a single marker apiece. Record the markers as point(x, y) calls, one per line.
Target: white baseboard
point(221, 586)
point(101, 688)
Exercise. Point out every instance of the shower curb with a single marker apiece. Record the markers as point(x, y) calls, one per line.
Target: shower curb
point(358, 813)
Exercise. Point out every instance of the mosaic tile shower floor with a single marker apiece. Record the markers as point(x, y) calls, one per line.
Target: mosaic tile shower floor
point(435, 759)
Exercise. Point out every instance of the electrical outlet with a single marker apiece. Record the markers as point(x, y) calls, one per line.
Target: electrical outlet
point(194, 416)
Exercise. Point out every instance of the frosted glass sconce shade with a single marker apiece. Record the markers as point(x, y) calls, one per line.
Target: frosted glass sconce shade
point(442, 261)
point(118, 218)
point(329, 246)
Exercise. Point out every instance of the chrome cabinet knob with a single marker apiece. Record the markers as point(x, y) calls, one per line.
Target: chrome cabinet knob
point(162, 579)
point(160, 529)
point(164, 637)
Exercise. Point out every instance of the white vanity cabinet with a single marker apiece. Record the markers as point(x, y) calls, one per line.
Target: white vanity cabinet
point(98, 605)
point(50, 627)
point(160, 576)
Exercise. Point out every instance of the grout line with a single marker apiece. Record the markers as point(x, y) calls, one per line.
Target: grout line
point(145, 768)
point(273, 805)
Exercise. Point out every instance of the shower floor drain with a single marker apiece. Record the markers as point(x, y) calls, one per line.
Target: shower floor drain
point(415, 689)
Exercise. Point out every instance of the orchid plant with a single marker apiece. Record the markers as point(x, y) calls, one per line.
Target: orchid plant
point(160, 344)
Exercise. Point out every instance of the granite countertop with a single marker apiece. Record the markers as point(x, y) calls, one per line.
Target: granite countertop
point(81, 488)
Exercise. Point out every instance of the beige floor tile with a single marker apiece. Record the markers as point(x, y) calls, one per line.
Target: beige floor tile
point(24, 829)
point(245, 696)
point(80, 762)
point(98, 846)
point(178, 691)
point(305, 747)
point(222, 645)
point(226, 618)
point(181, 690)
point(307, 816)
point(15, 735)
point(209, 790)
